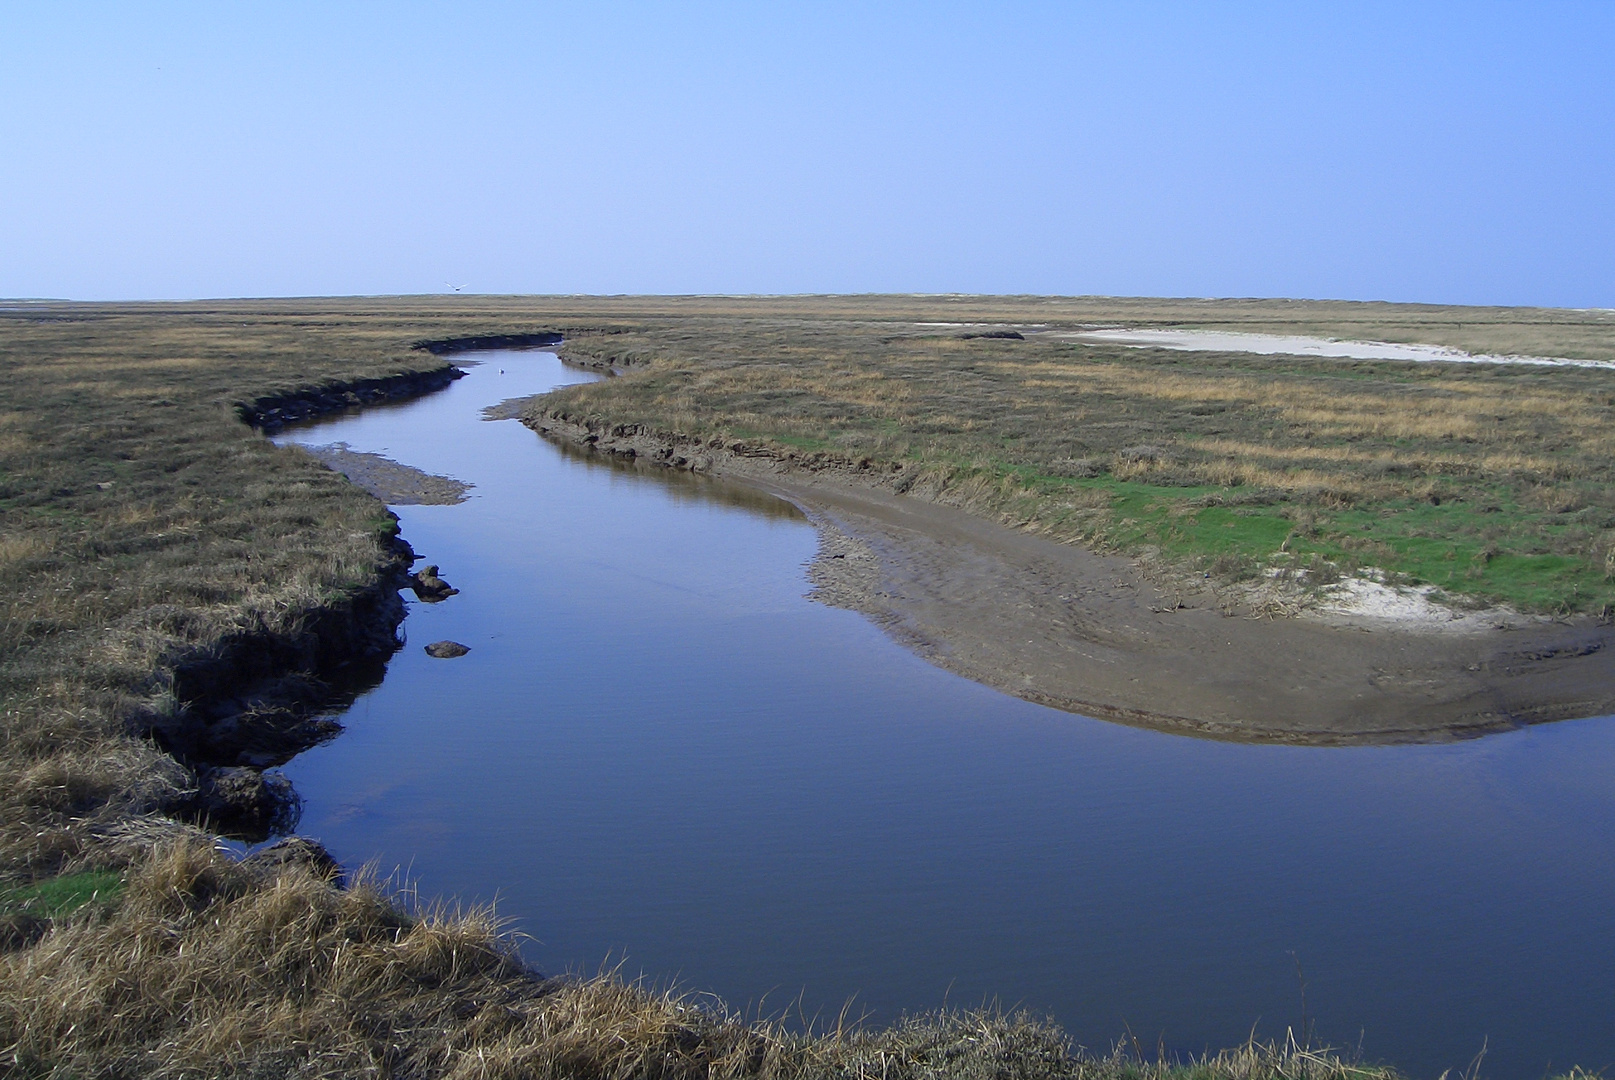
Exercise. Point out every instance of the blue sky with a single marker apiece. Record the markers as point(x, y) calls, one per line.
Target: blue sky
point(1453, 153)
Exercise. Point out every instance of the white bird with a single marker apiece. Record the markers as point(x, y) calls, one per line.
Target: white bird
point(455, 287)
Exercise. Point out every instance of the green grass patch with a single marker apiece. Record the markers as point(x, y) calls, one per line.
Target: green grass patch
point(803, 442)
point(54, 897)
point(1461, 549)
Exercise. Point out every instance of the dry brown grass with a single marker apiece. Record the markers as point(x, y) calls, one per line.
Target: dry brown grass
point(1102, 444)
point(141, 522)
point(211, 968)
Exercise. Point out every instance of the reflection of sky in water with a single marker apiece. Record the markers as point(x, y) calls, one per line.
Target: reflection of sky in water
point(657, 749)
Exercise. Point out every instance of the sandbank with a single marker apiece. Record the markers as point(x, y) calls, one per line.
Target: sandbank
point(1097, 635)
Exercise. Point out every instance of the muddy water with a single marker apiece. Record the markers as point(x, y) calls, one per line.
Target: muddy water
point(658, 754)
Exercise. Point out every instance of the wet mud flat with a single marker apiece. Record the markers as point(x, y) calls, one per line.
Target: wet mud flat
point(388, 480)
point(1094, 634)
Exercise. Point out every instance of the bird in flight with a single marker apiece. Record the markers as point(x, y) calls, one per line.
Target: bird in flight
point(455, 287)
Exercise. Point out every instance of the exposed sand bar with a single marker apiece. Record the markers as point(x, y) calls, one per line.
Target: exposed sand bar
point(386, 479)
point(1090, 634)
point(1292, 345)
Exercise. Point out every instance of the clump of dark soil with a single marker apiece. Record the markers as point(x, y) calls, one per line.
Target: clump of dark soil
point(428, 586)
point(247, 803)
point(446, 650)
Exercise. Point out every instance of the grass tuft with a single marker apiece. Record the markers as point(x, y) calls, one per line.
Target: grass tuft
point(209, 967)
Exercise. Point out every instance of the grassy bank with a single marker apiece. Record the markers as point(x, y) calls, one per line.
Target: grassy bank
point(146, 532)
point(210, 967)
point(1493, 483)
point(144, 526)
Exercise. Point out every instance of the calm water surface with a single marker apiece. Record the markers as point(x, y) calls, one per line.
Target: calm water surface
point(659, 754)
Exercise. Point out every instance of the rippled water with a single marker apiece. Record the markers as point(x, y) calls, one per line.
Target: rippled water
point(658, 754)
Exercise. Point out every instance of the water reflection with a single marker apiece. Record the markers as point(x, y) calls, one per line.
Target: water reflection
point(681, 485)
point(657, 750)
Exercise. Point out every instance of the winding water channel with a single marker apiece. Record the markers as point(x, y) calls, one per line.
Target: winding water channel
point(658, 754)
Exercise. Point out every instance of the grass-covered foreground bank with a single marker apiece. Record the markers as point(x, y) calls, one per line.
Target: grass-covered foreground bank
point(146, 530)
point(207, 967)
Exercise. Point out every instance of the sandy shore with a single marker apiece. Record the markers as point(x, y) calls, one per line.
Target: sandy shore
point(1092, 634)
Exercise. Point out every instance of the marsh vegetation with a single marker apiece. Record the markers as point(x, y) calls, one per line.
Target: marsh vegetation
point(1492, 483)
point(144, 526)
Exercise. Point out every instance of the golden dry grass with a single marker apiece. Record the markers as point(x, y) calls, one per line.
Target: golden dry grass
point(212, 968)
point(1106, 445)
point(141, 522)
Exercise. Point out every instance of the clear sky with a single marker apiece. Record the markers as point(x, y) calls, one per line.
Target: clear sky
point(1455, 153)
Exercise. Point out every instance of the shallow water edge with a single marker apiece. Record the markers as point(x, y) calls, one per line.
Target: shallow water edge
point(658, 753)
point(1094, 635)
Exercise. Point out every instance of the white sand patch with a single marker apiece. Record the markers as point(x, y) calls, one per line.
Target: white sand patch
point(1286, 345)
point(1373, 604)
